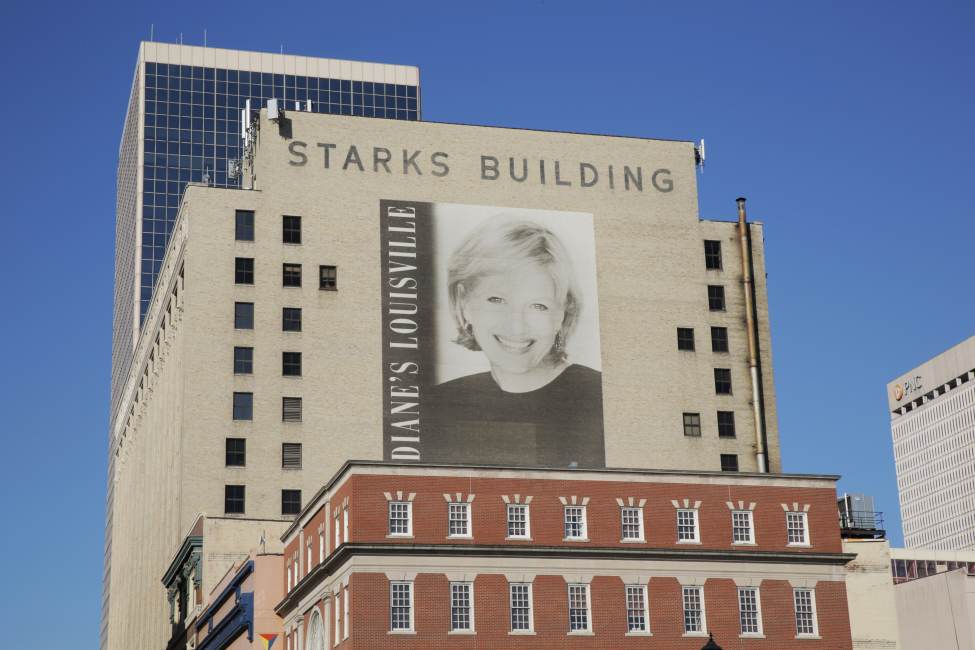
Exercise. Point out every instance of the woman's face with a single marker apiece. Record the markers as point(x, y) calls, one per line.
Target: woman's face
point(515, 316)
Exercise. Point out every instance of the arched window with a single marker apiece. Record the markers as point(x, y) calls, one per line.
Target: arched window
point(316, 632)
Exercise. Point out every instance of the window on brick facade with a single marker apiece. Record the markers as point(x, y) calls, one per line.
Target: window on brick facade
point(243, 361)
point(401, 606)
point(719, 339)
point(712, 254)
point(805, 604)
point(722, 381)
point(742, 527)
point(345, 525)
point(520, 606)
point(291, 409)
point(291, 275)
point(631, 520)
point(574, 520)
point(243, 406)
point(459, 519)
point(291, 455)
point(244, 225)
point(579, 615)
point(694, 616)
point(726, 424)
point(290, 502)
point(338, 531)
point(461, 607)
point(291, 364)
point(797, 528)
point(233, 499)
point(519, 525)
point(692, 424)
point(291, 229)
point(749, 611)
point(716, 297)
point(291, 319)
point(346, 606)
point(236, 452)
point(729, 462)
point(687, 527)
point(400, 518)
point(244, 315)
point(685, 338)
point(637, 614)
point(328, 278)
point(244, 270)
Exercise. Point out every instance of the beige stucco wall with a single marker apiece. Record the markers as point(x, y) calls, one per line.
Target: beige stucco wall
point(937, 612)
point(870, 594)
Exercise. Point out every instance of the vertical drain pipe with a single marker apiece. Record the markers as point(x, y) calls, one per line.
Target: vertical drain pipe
point(751, 326)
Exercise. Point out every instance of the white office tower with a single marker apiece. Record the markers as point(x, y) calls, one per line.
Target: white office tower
point(932, 411)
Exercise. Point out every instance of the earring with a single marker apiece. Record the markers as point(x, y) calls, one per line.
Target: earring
point(558, 342)
point(469, 329)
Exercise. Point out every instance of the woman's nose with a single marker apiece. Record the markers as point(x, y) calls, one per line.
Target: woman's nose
point(516, 321)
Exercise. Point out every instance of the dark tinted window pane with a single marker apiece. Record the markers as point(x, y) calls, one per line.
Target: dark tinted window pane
point(243, 361)
point(291, 364)
point(244, 315)
point(716, 297)
point(726, 424)
point(712, 254)
point(291, 275)
point(722, 381)
point(292, 230)
point(243, 406)
point(328, 278)
point(290, 502)
point(244, 270)
point(729, 462)
point(685, 338)
point(291, 319)
point(245, 225)
point(719, 339)
point(236, 452)
point(233, 499)
point(692, 424)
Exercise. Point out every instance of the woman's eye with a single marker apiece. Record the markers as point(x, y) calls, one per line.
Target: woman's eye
point(497, 300)
point(537, 306)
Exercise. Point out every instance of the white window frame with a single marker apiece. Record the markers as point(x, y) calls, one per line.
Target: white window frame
point(511, 608)
point(641, 537)
point(296, 572)
point(409, 593)
point(812, 606)
point(696, 539)
point(803, 517)
point(289, 577)
point(338, 532)
point(469, 586)
point(467, 519)
point(760, 632)
point(646, 609)
point(576, 586)
point(704, 613)
point(337, 637)
point(308, 557)
point(321, 545)
point(751, 527)
point(528, 526)
point(345, 612)
point(409, 519)
point(345, 525)
point(583, 535)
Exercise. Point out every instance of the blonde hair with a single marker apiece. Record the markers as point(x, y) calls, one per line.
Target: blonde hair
point(496, 247)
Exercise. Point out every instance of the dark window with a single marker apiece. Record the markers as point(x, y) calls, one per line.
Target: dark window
point(244, 229)
point(692, 424)
point(291, 455)
point(712, 254)
point(292, 275)
point(236, 452)
point(290, 502)
point(243, 406)
point(291, 409)
point(729, 462)
point(233, 499)
point(291, 319)
point(719, 339)
point(244, 270)
point(244, 315)
point(291, 364)
point(726, 424)
point(722, 381)
point(243, 361)
point(716, 297)
point(292, 230)
point(328, 278)
point(685, 338)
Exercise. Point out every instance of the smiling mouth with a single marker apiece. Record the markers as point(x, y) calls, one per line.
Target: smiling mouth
point(515, 345)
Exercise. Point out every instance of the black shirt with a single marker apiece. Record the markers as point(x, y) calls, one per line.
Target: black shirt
point(471, 420)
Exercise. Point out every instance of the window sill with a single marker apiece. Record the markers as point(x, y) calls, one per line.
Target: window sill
point(403, 632)
point(744, 544)
point(799, 545)
point(399, 536)
point(688, 541)
point(699, 635)
point(811, 637)
point(460, 537)
point(518, 538)
point(633, 541)
point(521, 632)
point(751, 635)
point(639, 634)
point(575, 539)
point(461, 633)
point(581, 633)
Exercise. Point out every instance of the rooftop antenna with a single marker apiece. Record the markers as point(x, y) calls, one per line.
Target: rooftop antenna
point(152, 32)
point(282, 48)
point(699, 155)
point(181, 38)
point(204, 37)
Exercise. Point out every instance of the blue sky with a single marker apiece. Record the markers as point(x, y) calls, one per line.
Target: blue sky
point(847, 125)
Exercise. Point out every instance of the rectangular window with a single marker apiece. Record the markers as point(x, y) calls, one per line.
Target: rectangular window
point(233, 499)
point(726, 424)
point(729, 462)
point(461, 607)
point(518, 524)
point(805, 601)
point(338, 619)
point(291, 364)
point(328, 278)
point(291, 319)
point(458, 519)
point(291, 275)
point(719, 339)
point(236, 452)
point(796, 528)
point(243, 361)
point(345, 525)
point(687, 530)
point(400, 520)
point(521, 606)
point(321, 546)
point(692, 424)
point(345, 613)
point(291, 409)
point(291, 455)
point(685, 338)
point(712, 255)
point(291, 230)
point(575, 522)
point(722, 381)
point(290, 502)
point(632, 524)
point(244, 315)
point(244, 225)
point(749, 611)
point(742, 527)
point(694, 620)
point(401, 606)
point(338, 531)
point(579, 608)
point(716, 297)
point(244, 270)
point(636, 609)
point(243, 406)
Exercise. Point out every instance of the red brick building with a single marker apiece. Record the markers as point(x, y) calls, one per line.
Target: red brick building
point(409, 556)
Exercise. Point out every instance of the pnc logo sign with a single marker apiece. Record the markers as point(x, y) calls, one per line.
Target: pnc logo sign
point(910, 385)
point(898, 392)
